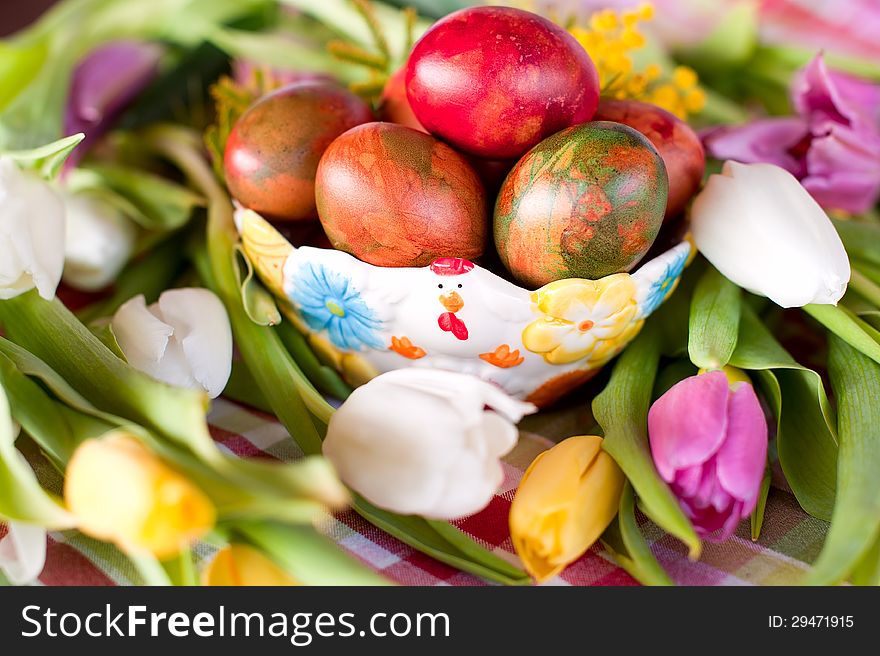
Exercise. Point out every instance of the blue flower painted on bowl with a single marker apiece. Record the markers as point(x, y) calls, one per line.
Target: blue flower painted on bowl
point(328, 300)
point(665, 284)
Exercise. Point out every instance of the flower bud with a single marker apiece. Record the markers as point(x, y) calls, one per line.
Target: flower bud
point(243, 565)
point(99, 242)
point(566, 499)
point(185, 339)
point(709, 442)
point(22, 552)
point(760, 228)
point(31, 233)
point(123, 493)
point(424, 441)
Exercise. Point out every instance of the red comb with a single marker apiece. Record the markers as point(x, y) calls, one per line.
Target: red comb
point(451, 266)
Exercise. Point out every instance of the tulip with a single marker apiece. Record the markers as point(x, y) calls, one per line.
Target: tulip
point(99, 242)
point(759, 227)
point(709, 442)
point(184, 339)
point(424, 441)
point(31, 233)
point(243, 565)
point(22, 552)
point(566, 499)
point(103, 84)
point(121, 492)
point(832, 145)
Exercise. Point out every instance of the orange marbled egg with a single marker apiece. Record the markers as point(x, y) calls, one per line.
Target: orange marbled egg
point(394, 196)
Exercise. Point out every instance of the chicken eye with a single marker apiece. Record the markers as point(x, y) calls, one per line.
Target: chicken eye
point(459, 285)
point(440, 285)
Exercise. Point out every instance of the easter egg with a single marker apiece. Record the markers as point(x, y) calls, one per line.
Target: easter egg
point(677, 143)
point(494, 81)
point(273, 149)
point(394, 196)
point(584, 203)
point(394, 106)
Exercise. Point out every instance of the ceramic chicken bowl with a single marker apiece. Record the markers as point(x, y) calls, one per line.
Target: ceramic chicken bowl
point(455, 315)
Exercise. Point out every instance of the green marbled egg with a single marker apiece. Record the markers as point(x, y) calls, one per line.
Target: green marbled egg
point(584, 203)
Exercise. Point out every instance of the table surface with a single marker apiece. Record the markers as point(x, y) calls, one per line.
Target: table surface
point(790, 538)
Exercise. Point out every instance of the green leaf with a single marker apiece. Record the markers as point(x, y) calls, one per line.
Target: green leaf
point(242, 388)
point(309, 557)
point(19, 64)
point(281, 52)
point(756, 520)
point(152, 201)
point(806, 427)
point(50, 332)
point(21, 497)
point(37, 413)
point(622, 411)
point(325, 378)
point(847, 327)
point(855, 522)
point(103, 330)
point(714, 320)
point(46, 160)
point(628, 545)
point(867, 571)
point(258, 303)
point(181, 570)
point(444, 542)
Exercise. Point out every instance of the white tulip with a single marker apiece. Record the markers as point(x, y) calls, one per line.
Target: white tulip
point(100, 241)
point(184, 339)
point(23, 552)
point(31, 233)
point(760, 228)
point(424, 442)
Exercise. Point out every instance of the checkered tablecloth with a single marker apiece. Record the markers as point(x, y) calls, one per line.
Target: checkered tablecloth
point(790, 538)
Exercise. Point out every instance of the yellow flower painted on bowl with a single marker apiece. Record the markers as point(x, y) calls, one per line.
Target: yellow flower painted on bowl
point(588, 320)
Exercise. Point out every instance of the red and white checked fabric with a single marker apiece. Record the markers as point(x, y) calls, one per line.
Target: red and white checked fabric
point(790, 538)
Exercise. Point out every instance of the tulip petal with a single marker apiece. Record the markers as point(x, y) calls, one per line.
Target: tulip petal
point(824, 96)
point(687, 425)
point(758, 226)
point(23, 552)
point(768, 140)
point(743, 455)
point(104, 82)
point(201, 326)
point(141, 335)
point(844, 169)
point(31, 233)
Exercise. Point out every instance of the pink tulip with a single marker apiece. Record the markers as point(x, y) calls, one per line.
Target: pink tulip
point(832, 146)
point(103, 84)
point(709, 442)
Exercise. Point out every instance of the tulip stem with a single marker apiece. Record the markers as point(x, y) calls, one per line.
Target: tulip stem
point(865, 287)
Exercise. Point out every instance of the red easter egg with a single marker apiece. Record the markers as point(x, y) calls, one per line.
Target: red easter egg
point(494, 81)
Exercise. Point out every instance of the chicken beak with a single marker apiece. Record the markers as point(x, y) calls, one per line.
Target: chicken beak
point(451, 301)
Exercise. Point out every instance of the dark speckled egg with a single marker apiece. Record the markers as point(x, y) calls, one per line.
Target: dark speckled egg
point(584, 203)
point(273, 150)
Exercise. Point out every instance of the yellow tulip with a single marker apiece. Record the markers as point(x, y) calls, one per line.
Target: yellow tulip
point(240, 564)
point(123, 493)
point(566, 499)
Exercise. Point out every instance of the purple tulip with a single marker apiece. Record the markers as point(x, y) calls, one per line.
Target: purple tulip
point(709, 442)
point(103, 84)
point(832, 146)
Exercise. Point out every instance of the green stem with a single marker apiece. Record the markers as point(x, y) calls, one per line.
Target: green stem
point(865, 287)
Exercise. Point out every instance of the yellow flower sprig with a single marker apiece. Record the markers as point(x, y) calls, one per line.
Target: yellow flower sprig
point(610, 39)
